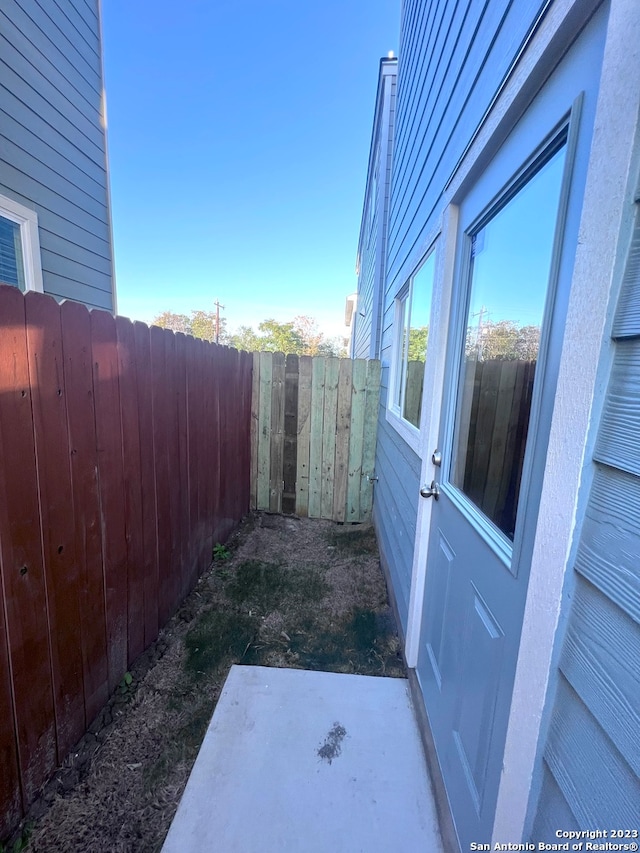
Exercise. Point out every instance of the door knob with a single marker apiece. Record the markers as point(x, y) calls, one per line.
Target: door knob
point(432, 491)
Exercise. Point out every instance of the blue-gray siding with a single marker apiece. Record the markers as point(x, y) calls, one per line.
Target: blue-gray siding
point(394, 506)
point(373, 232)
point(591, 763)
point(52, 141)
point(453, 59)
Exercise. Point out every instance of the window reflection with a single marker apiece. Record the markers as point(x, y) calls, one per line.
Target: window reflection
point(510, 265)
point(413, 311)
point(11, 262)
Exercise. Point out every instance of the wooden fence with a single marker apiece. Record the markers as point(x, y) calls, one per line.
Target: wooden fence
point(124, 456)
point(496, 402)
point(313, 435)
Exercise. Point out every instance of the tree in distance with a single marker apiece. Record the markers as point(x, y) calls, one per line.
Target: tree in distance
point(503, 340)
point(300, 336)
point(200, 324)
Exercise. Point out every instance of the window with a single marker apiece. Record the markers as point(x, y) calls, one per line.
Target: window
point(19, 246)
point(413, 308)
point(510, 265)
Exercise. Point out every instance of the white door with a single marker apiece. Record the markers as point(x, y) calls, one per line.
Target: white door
point(515, 242)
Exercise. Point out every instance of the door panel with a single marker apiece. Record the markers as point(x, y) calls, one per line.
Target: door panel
point(475, 594)
point(439, 611)
point(518, 227)
point(482, 650)
point(468, 631)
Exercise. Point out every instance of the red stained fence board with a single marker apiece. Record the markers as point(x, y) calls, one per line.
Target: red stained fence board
point(171, 390)
point(78, 379)
point(193, 453)
point(128, 385)
point(106, 393)
point(62, 570)
point(182, 479)
point(161, 456)
point(23, 580)
point(147, 481)
point(10, 791)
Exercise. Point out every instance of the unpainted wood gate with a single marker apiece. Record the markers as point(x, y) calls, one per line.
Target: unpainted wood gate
point(313, 435)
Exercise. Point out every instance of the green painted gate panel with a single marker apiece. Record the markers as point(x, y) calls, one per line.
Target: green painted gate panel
point(314, 424)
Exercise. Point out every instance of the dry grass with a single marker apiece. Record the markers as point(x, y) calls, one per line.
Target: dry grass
point(292, 592)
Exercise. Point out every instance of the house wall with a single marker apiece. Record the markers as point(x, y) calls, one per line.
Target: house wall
point(580, 750)
point(52, 140)
point(453, 59)
point(373, 231)
point(590, 768)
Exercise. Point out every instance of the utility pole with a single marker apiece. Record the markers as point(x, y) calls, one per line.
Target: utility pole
point(218, 307)
point(479, 342)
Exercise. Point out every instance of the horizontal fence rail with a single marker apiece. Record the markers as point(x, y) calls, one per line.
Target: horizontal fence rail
point(313, 435)
point(124, 457)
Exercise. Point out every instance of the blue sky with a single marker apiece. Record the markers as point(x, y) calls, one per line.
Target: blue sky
point(513, 259)
point(238, 143)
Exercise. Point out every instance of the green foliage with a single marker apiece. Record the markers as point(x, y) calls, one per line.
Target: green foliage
point(245, 339)
point(218, 638)
point(418, 339)
point(300, 336)
point(280, 337)
point(260, 586)
point(362, 641)
point(203, 325)
point(220, 552)
point(261, 583)
point(125, 684)
point(503, 340)
point(353, 539)
point(175, 322)
point(20, 843)
point(200, 324)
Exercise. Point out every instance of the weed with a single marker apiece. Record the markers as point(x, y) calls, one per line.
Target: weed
point(220, 552)
point(354, 539)
point(263, 586)
point(362, 631)
point(20, 842)
point(125, 684)
point(360, 645)
point(259, 583)
point(218, 637)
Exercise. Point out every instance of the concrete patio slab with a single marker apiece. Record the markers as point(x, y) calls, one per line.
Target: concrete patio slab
point(308, 762)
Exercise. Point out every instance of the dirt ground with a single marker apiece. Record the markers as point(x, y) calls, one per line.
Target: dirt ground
point(283, 592)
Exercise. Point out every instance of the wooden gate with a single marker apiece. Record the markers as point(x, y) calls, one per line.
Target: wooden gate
point(313, 435)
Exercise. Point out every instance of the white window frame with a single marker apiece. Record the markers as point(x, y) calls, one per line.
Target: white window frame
point(27, 219)
point(402, 303)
